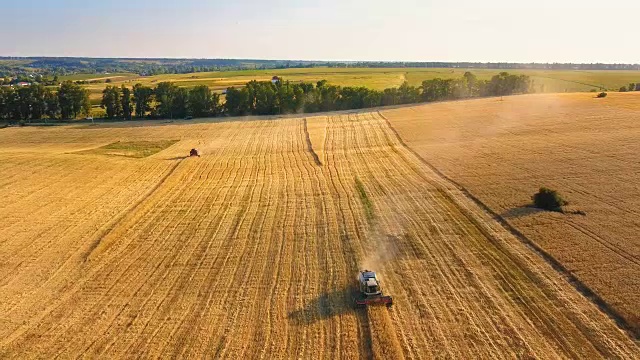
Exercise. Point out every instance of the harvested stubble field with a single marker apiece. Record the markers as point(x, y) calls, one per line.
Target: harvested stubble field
point(502, 151)
point(252, 250)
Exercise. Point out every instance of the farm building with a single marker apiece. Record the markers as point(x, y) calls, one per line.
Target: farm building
point(275, 80)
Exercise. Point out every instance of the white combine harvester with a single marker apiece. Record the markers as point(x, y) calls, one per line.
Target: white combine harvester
point(371, 290)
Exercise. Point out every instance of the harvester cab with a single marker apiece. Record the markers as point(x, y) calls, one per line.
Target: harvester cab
point(371, 290)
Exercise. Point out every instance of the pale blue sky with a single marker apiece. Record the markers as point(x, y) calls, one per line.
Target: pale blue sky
point(410, 30)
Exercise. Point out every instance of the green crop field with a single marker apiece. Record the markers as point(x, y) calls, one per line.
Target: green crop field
point(380, 78)
point(89, 77)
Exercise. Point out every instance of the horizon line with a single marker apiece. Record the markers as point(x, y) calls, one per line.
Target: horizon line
point(309, 61)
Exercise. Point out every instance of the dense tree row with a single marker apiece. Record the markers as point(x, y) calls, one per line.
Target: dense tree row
point(166, 100)
point(35, 102)
point(631, 87)
point(267, 98)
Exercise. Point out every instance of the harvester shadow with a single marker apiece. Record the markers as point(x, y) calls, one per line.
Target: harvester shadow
point(520, 211)
point(332, 304)
point(327, 305)
point(177, 158)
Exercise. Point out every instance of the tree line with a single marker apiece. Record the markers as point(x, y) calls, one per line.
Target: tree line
point(283, 97)
point(167, 100)
point(36, 101)
point(631, 87)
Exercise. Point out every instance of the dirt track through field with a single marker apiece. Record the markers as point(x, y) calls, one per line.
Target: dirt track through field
point(252, 251)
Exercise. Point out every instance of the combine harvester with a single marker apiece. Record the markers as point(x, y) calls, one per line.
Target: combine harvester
point(371, 290)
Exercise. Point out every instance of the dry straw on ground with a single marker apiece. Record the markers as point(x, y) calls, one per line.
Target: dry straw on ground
point(502, 151)
point(252, 249)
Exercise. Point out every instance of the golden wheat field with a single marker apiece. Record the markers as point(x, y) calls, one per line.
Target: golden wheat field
point(588, 149)
point(251, 250)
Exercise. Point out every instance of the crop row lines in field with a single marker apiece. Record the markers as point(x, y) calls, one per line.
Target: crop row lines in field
point(376, 168)
point(409, 190)
point(38, 250)
point(139, 290)
point(251, 251)
point(193, 186)
point(500, 268)
point(197, 213)
point(520, 273)
point(341, 190)
point(244, 273)
point(217, 220)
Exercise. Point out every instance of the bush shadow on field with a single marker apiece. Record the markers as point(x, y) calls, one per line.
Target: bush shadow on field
point(520, 211)
point(327, 305)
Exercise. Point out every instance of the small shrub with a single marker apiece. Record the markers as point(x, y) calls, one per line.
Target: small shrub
point(548, 199)
point(623, 89)
point(602, 95)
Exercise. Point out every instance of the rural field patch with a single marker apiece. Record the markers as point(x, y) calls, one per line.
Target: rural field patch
point(134, 149)
point(252, 250)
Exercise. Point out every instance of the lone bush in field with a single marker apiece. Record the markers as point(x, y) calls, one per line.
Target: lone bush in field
point(602, 95)
point(549, 200)
point(623, 89)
